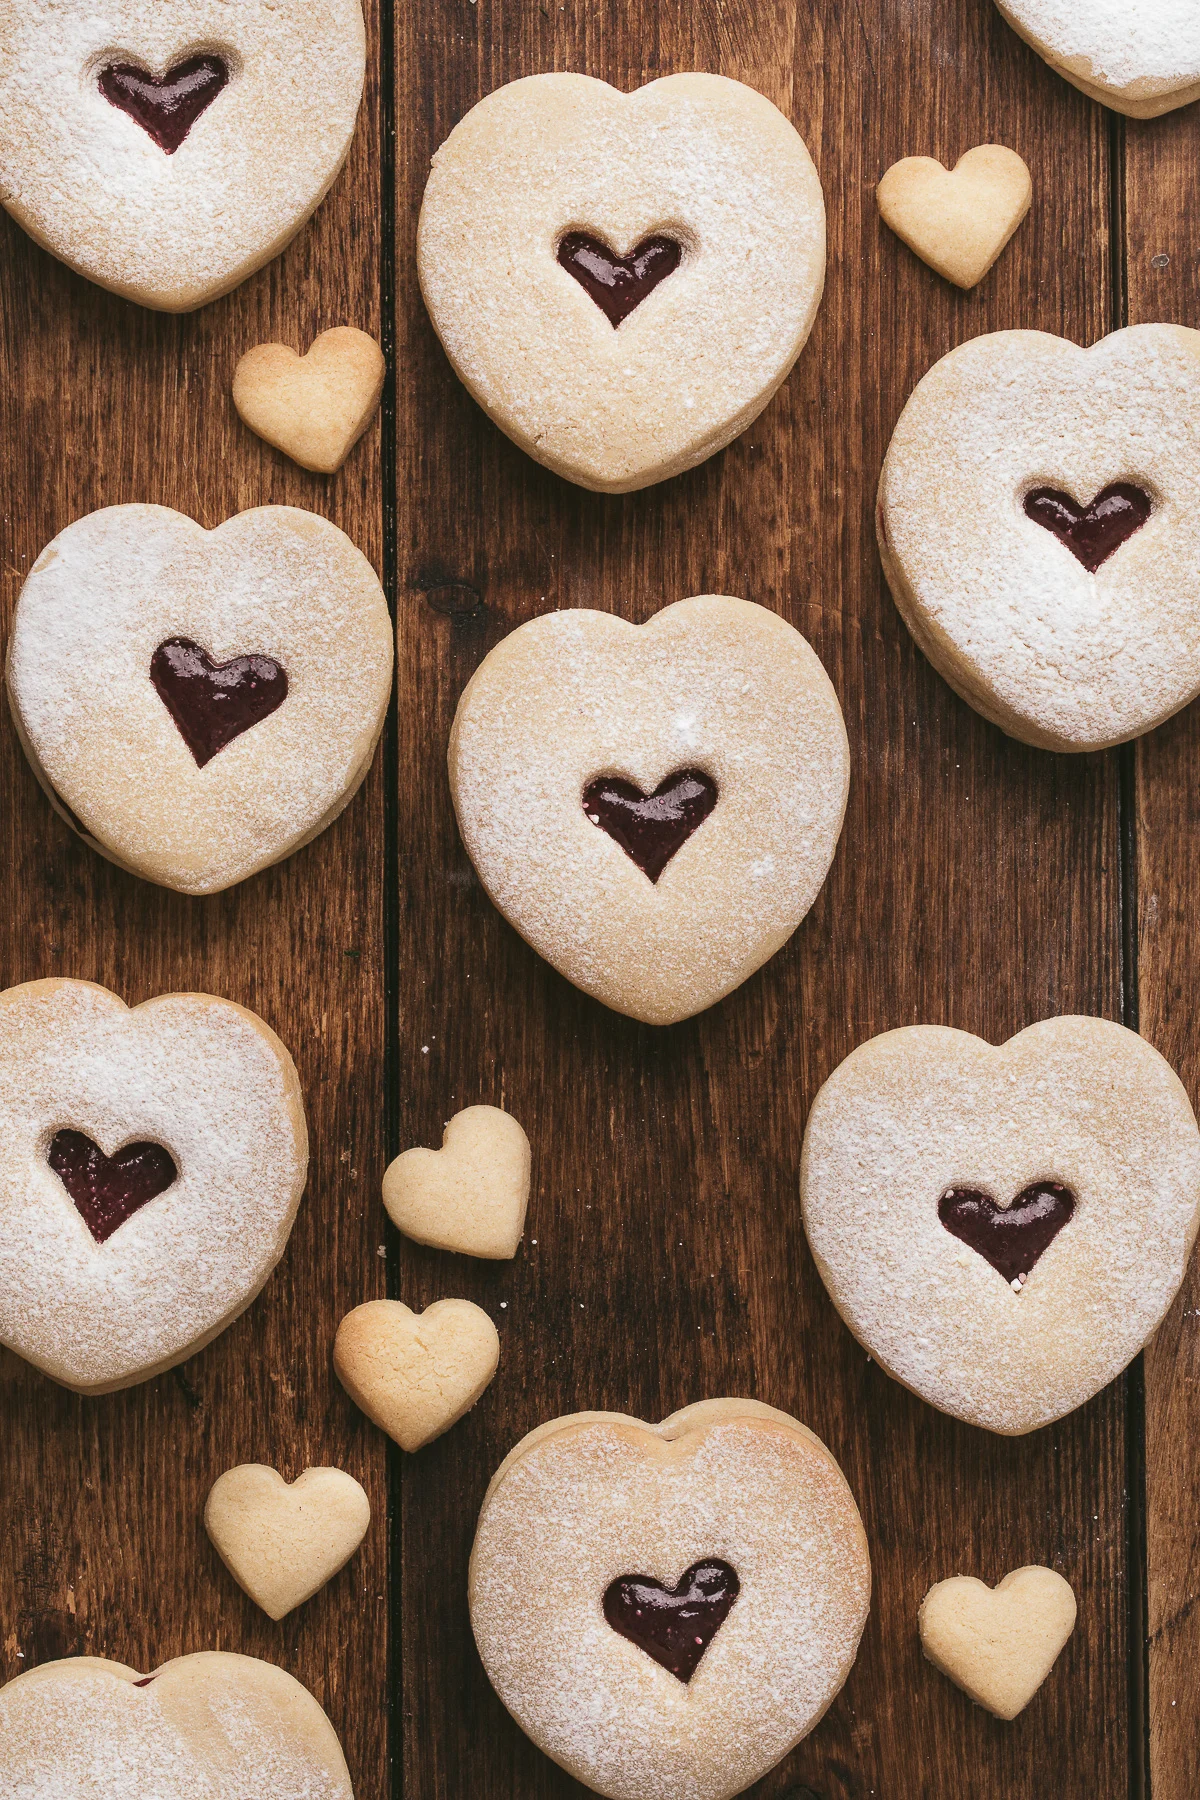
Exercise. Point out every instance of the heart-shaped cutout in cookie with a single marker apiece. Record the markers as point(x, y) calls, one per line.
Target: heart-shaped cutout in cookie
point(618, 284)
point(674, 1625)
point(283, 1541)
point(1012, 1238)
point(998, 1644)
point(165, 106)
point(213, 703)
point(1093, 533)
point(1142, 60)
point(416, 1374)
point(957, 220)
point(107, 1190)
point(313, 407)
point(470, 1195)
point(650, 828)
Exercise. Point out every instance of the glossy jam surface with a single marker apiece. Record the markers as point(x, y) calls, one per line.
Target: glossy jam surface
point(1011, 1238)
point(107, 1190)
point(618, 284)
point(1092, 536)
point(673, 1625)
point(213, 703)
point(167, 108)
point(650, 828)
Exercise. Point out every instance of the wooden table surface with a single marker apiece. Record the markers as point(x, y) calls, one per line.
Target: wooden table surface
point(978, 884)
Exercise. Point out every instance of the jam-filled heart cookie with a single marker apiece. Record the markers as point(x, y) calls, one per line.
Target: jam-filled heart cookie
point(167, 152)
point(668, 1609)
point(654, 807)
point(622, 280)
point(199, 704)
point(1141, 57)
point(1003, 1229)
point(209, 1727)
point(1039, 525)
point(151, 1163)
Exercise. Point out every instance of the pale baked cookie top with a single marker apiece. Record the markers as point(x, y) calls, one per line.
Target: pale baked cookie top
point(1143, 51)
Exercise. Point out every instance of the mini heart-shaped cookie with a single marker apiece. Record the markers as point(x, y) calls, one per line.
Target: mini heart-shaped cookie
point(208, 1727)
point(654, 807)
point(1002, 1228)
point(998, 1644)
point(470, 1195)
point(416, 1374)
point(959, 220)
point(200, 704)
point(668, 1609)
point(314, 407)
point(1141, 59)
point(283, 1541)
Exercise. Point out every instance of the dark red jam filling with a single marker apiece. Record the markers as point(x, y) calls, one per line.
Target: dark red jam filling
point(650, 828)
point(618, 284)
point(1011, 1238)
point(1092, 536)
point(107, 1190)
point(673, 1625)
point(213, 703)
point(167, 108)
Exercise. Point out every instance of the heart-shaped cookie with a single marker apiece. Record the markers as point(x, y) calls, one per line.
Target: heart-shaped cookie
point(668, 1609)
point(470, 1195)
point(657, 909)
point(206, 1727)
point(622, 280)
point(1039, 525)
point(998, 1644)
point(957, 220)
point(168, 152)
point(416, 1374)
point(924, 1136)
point(1141, 57)
point(314, 407)
point(199, 704)
point(151, 1164)
point(282, 1541)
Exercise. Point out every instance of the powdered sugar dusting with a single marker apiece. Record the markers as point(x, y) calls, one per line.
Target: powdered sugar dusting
point(1117, 42)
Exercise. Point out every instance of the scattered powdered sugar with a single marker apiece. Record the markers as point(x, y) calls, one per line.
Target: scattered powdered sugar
point(192, 1073)
point(1116, 42)
point(598, 1500)
point(717, 684)
point(923, 1109)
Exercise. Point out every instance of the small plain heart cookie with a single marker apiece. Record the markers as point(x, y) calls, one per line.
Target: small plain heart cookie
point(959, 220)
point(151, 1163)
point(470, 1195)
point(653, 807)
point(1002, 1229)
point(668, 1609)
point(998, 1644)
point(167, 152)
point(416, 1374)
point(208, 1727)
point(622, 280)
point(199, 704)
point(1039, 525)
point(1141, 57)
point(314, 407)
point(283, 1541)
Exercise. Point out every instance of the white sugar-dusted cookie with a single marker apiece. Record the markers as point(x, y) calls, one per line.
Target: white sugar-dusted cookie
point(199, 704)
point(280, 1540)
point(667, 1609)
point(957, 220)
point(416, 1374)
point(167, 152)
point(1002, 1228)
point(998, 1644)
point(1039, 524)
point(151, 1163)
point(622, 280)
point(470, 1195)
point(654, 807)
point(313, 407)
point(206, 1727)
point(1141, 57)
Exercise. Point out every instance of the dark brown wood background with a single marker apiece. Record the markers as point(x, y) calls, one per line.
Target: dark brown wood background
point(978, 884)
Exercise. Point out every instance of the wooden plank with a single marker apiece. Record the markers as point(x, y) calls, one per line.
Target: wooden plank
point(102, 1548)
point(1163, 283)
point(977, 885)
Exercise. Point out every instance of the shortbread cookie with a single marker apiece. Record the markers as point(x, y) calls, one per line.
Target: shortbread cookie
point(283, 1541)
point(416, 1374)
point(667, 1609)
point(206, 1727)
point(957, 220)
point(314, 407)
point(151, 1164)
point(167, 152)
point(1039, 524)
point(998, 1644)
point(622, 280)
point(654, 807)
point(199, 704)
point(1141, 57)
point(1002, 1229)
point(470, 1195)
